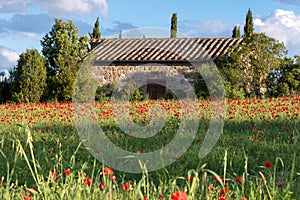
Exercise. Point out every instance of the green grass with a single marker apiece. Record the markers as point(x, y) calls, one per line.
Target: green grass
point(38, 139)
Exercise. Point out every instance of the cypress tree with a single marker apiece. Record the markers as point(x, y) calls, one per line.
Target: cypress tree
point(249, 27)
point(96, 30)
point(236, 32)
point(174, 25)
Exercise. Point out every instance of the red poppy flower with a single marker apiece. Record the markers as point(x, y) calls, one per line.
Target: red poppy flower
point(219, 178)
point(239, 180)
point(67, 172)
point(27, 198)
point(191, 178)
point(223, 198)
point(161, 196)
point(179, 195)
point(107, 170)
point(113, 178)
point(87, 181)
point(126, 186)
point(53, 175)
point(279, 185)
point(224, 191)
point(31, 190)
point(101, 186)
point(268, 164)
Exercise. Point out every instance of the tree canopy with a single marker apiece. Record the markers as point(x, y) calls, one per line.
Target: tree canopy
point(63, 50)
point(29, 77)
point(254, 59)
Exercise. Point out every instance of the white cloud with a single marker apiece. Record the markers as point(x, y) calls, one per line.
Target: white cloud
point(56, 7)
point(7, 6)
point(291, 2)
point(207, 28)
point(10, 55)
point(8, 58)
point(284, 26)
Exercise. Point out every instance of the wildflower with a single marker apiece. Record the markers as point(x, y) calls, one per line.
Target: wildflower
point(239, 180)
point(161, 196)
point(31, 191)
point(145, 198)
point(107, 170)
point(224, 191)
point(219, 178)
point(279, 185)
point(243, 198)
point(139, 150)
point(88, 181)
point(67, 172)
point(268, 164)
point(223, 198)
point(101, 186)
point(191, 178)
point(27, 198)
point(179, 195)
point(126, 186)
point(113, 178)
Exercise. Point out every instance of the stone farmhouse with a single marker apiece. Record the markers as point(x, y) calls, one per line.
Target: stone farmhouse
point(119, 59)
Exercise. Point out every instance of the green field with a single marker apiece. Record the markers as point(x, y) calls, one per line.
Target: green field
point(256, 157)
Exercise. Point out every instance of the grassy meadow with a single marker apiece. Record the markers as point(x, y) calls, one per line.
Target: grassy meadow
point(256, 157)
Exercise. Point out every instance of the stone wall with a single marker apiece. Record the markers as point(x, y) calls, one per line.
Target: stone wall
point(174, 76)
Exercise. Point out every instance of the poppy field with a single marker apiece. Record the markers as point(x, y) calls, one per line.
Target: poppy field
point(256, 157)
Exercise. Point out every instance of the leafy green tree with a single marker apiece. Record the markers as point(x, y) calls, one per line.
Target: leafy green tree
point(63, 50)
point(174, 25)
point(255, 59)
point(96, 30)
point(236, 32)
point(285, 80)
point(29, 77)
point(249, 27)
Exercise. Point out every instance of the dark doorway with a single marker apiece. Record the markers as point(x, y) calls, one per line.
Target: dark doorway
point(155, 91)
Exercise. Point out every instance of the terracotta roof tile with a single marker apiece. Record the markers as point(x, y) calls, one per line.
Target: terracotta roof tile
point(160, 49)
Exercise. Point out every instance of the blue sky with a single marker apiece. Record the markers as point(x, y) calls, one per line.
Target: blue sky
point(23, 23)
